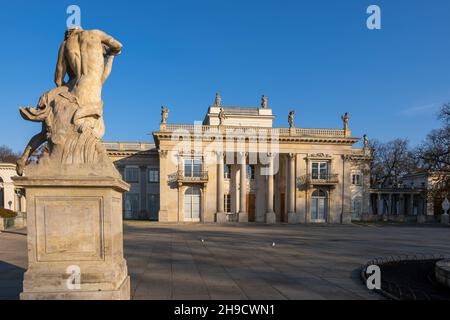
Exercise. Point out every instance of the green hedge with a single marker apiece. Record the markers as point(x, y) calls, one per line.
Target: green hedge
point(5, 213)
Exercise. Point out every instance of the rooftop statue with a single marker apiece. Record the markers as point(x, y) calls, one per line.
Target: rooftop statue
point(345, 119)
point(72, 113)
point(264, 101)
point(218, 100)
point(291, 119)
point(222, 116)
point(366, 141)
point(164, 114)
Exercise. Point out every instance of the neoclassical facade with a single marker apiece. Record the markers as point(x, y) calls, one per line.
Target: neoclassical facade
point(11, 197)
point(236, 167)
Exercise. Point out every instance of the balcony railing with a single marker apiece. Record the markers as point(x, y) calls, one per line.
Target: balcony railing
point(328, 179)
point(238, 130)
point(194, 177)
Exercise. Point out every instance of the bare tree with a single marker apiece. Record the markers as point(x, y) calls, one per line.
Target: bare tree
point(8, 155)
point(391, 161)
point(434, 154)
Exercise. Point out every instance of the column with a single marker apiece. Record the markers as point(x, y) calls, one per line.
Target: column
point(380, 205)
point(221, 216)
point(270, 214)
point(390, 204)
point(292, 215)
point(243, 214)
point(411, 204)
point(143, 191)
point(163, 214)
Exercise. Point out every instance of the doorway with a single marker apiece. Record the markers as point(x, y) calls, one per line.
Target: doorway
point(192, 204)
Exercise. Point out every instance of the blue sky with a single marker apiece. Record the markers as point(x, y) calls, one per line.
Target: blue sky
point(315, 57)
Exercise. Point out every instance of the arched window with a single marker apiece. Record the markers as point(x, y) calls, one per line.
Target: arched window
point(319, 206)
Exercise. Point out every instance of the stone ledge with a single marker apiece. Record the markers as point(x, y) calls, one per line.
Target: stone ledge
point(57, 182)
point(443, 272)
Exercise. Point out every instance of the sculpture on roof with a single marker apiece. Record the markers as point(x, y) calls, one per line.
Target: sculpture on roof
point(218, 100)
point(291, 119)
point(345, 119)
point(366, 141)
point(164, 114)
point(264, 101)
point(222, 117)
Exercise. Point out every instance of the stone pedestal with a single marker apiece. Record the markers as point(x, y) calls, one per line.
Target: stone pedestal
point(442, 272)
point(421, 218)
point(445, 219)
point(75, 239)
point(243, 217)
point(221, 217)
point(271, 218)
point(293, 218)
point(346, 218)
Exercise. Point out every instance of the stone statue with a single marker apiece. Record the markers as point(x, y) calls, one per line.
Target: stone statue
point(222, 117)
point(291, 119)
point(366, 141)
point(446, 206)
point(164, 114)
point(264, 101)
point(218, 100)
point(72, 113)
point(345, 119)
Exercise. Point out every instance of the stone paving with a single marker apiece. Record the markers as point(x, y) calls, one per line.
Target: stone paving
point(170, 261)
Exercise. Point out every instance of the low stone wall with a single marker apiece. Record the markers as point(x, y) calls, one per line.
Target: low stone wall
point(396, 218)
point(442, 272)
point(14, 223)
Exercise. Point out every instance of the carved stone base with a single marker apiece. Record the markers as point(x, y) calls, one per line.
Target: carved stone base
point(421, 218)
point(445, 219)
point(346, 218)
point(271, 218)
point(293, 218)
point(243, 217)
point(75, 232)
point(221, 217)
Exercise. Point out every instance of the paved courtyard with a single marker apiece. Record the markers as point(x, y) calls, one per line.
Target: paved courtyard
point(170, 261)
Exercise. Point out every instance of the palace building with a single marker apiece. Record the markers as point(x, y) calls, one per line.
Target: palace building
point(236, 167)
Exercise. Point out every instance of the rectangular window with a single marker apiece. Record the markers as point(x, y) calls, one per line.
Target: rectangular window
point(227, 203)
point(193, 167)
point(132, 175)
point(356, 179)
point(250, 172)
point(227, 171)
point(319, 170)
point(131, 206)
point(153, 206)
point(153, 175)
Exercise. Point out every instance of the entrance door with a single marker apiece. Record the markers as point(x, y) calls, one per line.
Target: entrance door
point(319, 206)
point(251, 203)
point(283, 217)
point(192, 204)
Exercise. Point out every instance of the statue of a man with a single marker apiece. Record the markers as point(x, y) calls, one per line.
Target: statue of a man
point(88, 55)
point(345, 119)
point(164, 114)
point(291, 119)
point(222, 117)
point(264, 101)
point(218, 100)
point(366, 141)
